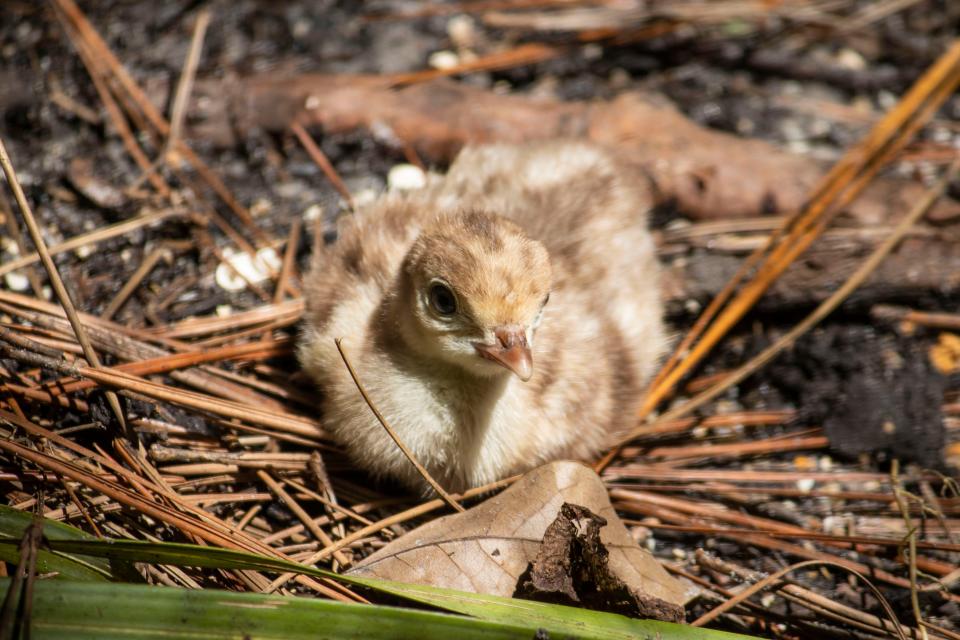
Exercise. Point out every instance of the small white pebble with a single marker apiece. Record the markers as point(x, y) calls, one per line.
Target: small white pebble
point(678, 553)
point(837, 525)
point(254, 268)
point(301, 28)
point(806, 484)
point(462, 31)
point(406, 177)
point(260, 206)
point(7, 245)
point(47, 292)
point(16, 281)
point(850, 59)
point(228, 280)
point(85, 251)
point(224, 310)
point(700, 432)
point(313, 212)
point(767, 600)
point(651, 544)
point(886, 99)
point(825, 463)
point(592, 51)
point(443, 60)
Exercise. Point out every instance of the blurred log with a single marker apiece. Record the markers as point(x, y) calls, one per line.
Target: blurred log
point(709, 174)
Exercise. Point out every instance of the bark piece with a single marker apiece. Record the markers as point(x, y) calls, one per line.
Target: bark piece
point(487, 548)
point(572, 568)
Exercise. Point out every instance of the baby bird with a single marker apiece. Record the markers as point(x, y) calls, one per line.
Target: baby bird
point(505, 315)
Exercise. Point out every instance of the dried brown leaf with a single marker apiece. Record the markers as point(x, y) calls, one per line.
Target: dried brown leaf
point(487, 548)
point(573, 568)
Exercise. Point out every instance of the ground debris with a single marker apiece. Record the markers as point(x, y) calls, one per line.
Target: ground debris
point(572, 568)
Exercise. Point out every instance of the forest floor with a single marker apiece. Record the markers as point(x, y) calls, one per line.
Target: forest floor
point(786, 466)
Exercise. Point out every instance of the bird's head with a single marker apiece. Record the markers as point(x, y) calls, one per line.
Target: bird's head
point(473, 295)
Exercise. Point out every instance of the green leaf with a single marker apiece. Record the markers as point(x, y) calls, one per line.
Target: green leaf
point(555, 619)
point(86, 568)
point(104, 611)
point(63, 609)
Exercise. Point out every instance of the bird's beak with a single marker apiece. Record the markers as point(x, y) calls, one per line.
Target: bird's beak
point(510, 350)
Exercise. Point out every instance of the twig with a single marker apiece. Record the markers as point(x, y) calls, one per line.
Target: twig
point(911, 543)
point(305, 518)
point(838, 188)
point(933, 320)
point(821, 312)
point(104, 233)
point(393, 434)
point(321, 161)
point(104, 56)
point(115, 113)
point(185, 85)
point(20, 590)
point(289, 256)
point(131, 285)
point(54, 276)
point(804, 597)
point(774, 578)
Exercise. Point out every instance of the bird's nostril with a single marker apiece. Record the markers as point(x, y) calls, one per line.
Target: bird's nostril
point(509, 338)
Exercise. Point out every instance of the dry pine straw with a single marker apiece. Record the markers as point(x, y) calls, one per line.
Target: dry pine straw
point(219, 488)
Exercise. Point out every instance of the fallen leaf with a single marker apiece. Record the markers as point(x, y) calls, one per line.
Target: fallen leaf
point(572, 568)
point(487, 548)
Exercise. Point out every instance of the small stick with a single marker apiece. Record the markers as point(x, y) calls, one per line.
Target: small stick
point(185, 86)
point(145, 268)
point(393, 434)
point(54, 277)
point(934, 320)
point(898, 495)
point(840, 186)
point(321, 160)
point(104, 56)
point(98, 235)
point(822, 311)
point(313, 527)
point(115, 113)
point(289, 255)
point(774, 578)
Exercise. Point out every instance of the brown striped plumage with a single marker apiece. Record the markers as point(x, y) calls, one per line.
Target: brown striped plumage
point(505, 229)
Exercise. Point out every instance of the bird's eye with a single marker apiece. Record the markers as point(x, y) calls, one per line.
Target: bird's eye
point(545, 300)
point(442, 299)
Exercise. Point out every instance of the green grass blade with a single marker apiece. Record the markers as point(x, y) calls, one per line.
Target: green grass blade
point(555, 619)
point(106, 611)
point(86, 568)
